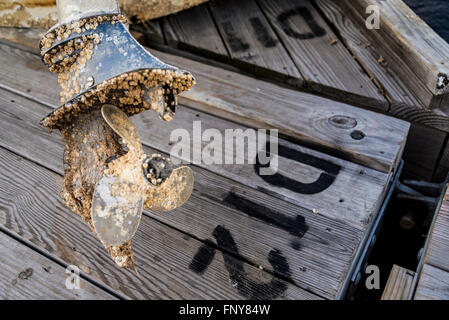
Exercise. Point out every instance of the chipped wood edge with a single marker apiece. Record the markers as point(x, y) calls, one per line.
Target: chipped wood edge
point(434, 72)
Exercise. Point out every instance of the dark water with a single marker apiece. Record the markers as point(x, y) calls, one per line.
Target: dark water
point(435, 13)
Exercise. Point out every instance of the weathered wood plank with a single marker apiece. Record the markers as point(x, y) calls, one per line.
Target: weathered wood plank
point(250, 38)
point(422, 152)
point(317, 248)
point(367, 55)
point(163, 255)
point(438, 247)
point(412, 49)
point(324, 62)
point(24, 36)
point(434, 277)
point(25, 274)
point(302, 116)
point(195, 30)
point(399, 285)
point(433, 284)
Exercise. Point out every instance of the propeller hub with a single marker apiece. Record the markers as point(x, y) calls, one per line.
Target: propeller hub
point(157, 169)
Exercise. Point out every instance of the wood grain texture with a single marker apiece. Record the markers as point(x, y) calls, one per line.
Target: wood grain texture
point(316, 250)
point(27, 275)
point(413, 50)
point(327, 65)
point(367, 55)
point(239, 98)
point(434, 277)
point(195, 30)
point(438, 247)
point(31, 209)
point(399, 285)
point(435, 119)
point(250, 38)
point(25, 36)
point(433, 284)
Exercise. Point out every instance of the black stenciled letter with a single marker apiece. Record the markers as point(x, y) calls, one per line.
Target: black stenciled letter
point(325, 180)
point(317, 30)
point(236, 44)
point(246, 287)
point(262, 33)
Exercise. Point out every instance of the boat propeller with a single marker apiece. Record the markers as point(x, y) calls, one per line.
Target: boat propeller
point(105, 76)
point(133, 182)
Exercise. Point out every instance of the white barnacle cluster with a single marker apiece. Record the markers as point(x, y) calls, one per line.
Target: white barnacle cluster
point(129, 91)
point(77, 27)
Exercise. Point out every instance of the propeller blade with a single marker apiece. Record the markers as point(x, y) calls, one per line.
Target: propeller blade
point(122, 125)
point(172, 193)
point(116, 209)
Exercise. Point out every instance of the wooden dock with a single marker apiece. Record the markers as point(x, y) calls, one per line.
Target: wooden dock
point(299, 66)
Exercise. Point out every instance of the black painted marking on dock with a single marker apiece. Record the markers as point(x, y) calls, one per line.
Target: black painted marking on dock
point(262, 33)
point(297, 226)
point(236, 43)
point(325, 180)
point(317, 30)
point(249, 288)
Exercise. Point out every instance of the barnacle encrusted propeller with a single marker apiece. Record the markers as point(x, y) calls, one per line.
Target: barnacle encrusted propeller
point(108, 182)
point(132, 182)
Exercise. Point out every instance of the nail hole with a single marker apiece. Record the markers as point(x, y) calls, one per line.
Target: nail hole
point(357, 135)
